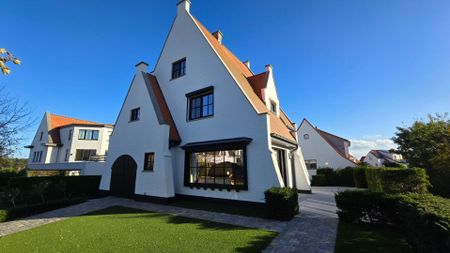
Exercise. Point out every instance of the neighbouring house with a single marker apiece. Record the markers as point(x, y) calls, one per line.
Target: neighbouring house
point(69, 145)
point(380, 158)
point(322, 149)
point(201, 124)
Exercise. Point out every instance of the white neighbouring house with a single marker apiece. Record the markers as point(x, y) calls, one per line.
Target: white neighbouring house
point(201, 124)
point(70, 146)
point(322, 149)
point(379, 158)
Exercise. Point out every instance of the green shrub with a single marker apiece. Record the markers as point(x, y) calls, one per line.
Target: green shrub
point(18, 212)
point(281, 203)
point(319, 180)
point(440, 181)
point(325, 171)
point(373, 179)
point(344, 177)
point(390, 180)
point(359, 176)
point(35, 190)
point(6, 174)
point(423, 218)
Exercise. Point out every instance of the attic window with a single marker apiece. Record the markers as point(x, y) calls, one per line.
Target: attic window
point(306, 136)
point(40, 137)
point(273, 107)
point(179, 68)
point(135, 114)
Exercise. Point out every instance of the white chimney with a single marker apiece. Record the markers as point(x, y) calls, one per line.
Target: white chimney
point(247, 63)
point(184, 5)
point(142, 67)
point(218, 35)
point(269, 68)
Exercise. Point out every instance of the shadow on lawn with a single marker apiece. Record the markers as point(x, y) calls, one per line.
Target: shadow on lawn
point(257, 243)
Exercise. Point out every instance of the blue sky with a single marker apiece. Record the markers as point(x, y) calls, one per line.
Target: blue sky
point(354, 68)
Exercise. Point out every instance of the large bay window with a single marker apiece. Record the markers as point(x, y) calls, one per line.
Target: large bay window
point(217, 164)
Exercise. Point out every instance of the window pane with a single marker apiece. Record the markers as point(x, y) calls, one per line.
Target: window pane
point(205, 111)
point(219, 168)
point(81, 134)
point(209, 167)
point(95, 135)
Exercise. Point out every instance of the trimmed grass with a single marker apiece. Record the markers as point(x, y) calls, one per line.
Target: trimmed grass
point(120, 229)
point(369, 239)
point(238, 209)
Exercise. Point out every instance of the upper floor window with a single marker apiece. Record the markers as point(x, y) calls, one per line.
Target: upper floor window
point(66, 156)
point(149, 160)
point(201, 103)
point(306, 136)
point(37, 156)
point(311, 164)
point(135, 114)
point(41, 135)
point(179, 68)
point(84, 154)
point(88, 134)
point(70, 134)
point(273, 107)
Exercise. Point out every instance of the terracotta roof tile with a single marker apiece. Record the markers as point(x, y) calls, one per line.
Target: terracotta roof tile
point(259, 83)
point(173, 132)
point(279, 128)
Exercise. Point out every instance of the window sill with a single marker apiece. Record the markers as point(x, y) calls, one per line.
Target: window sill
point(147, 171)
point(197, 119)
point(131, 121)
point(175, 78)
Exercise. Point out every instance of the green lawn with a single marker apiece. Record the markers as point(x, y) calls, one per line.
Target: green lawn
point(120, 229)
point(369, 239)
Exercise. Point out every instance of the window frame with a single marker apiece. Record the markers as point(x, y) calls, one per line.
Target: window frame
point(88, 133)
point(215, 146)
point(308, 162)
point(146, 160)
point(41, 136)
point(273, 107)
point(306, 137)
point(181, 70)
point(200, 94)
point(84, 150)
point(138, 114)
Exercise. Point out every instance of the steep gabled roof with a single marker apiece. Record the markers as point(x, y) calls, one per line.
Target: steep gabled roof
point(174, 136)
point(334, 141)
point(55, 122)
point(237, 69)
point(259, 83)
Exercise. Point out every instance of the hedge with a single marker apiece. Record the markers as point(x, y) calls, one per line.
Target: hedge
point(423, 218)
point(396, 180)
point(6, 174)
point(359, 177)
point(281, 203)
point(23, 211)
point(35, 190)
point(440, 181)
point(331, 177)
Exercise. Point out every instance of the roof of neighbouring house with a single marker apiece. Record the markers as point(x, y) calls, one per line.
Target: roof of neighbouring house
point(384, 154)
point(55, 122)
point(174, 136)
point(251, 85)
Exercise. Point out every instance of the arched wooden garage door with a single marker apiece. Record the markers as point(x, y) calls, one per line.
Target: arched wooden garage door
point(123, 176)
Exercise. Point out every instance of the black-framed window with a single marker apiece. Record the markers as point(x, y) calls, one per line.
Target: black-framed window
point(273, 106)
point(84, 154)
point(37, 156)
point(41, 135)
point(135, 114)
point(306, 136)
point(218, 165)
point(66, 155)
point(70, 134)
point(149, 161)
point(179, 68)
point(86, 134)
point(311, 164)
point(201, 105)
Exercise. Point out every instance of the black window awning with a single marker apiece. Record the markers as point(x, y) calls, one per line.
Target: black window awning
point(213, 145)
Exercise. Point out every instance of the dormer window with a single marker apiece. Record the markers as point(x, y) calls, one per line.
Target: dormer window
point(179, 68)
point(135, 114)
point(273, 106)
point(306, 136)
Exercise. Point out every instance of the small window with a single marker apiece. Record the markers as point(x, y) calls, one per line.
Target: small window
point(66, 156)
point(135, 114)
point(42, 135)
point(179, 68)
point(70, 134)
point(311, 164)
point(273, 107)
point(306, 136)
point(201, 106)
point(149, 161)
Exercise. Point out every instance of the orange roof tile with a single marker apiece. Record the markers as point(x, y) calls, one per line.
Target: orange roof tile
point(279, 128)
point(259, 83)
point(173, 132)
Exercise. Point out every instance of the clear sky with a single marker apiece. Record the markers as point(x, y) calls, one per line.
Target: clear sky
point(354, 68)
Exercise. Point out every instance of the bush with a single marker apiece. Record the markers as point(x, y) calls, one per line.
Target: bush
point(397, 180)
point(18, 212)
point(281, 203)
point(319, 180)
point(439, 179)
point(344, 177)
point(423, 218)
point(35, 190)
point(359, 176)
point(330, 177)
point(6, 174)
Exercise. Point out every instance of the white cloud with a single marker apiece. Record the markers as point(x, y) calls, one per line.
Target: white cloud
point(360, 147)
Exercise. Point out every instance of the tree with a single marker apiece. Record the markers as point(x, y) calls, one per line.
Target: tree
point(6, 57)
point(14, 118)
point(425, 144)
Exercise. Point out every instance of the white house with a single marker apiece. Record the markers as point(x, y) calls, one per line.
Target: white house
point(69, 145)
point(201, 124)
point(379, 158)
point(322, 149)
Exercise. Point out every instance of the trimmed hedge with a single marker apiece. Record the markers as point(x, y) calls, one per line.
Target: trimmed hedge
point(281, 203)
point(423, 218)
point(440, 181)
point(6, 174)
point(359, 176)
point(18, 212)
point(398, 180)
point(319, 180)
point(331, 177)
